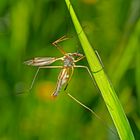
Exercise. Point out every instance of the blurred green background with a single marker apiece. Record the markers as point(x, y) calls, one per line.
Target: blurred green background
point(27, 29)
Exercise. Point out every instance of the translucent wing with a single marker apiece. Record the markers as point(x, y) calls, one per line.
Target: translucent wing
point(63, 78)
point(41, 61)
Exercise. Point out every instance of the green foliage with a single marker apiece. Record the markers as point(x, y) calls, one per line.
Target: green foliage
point(103, 82)
point(27, 29)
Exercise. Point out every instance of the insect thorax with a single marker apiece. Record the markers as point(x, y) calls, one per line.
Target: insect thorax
point(68, 60)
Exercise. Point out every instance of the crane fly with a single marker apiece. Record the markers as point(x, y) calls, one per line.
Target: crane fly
point(69, 63)
point(68, 59)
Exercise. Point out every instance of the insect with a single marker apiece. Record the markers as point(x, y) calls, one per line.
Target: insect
point(68, 59)
point(69, 64)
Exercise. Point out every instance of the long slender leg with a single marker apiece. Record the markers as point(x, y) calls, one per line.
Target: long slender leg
point(85, 67)
point(63, 38)
point(100, 60)
point(93, 112)
point(55, 43)
point(32, 83)
point(83, 105)
point(80, 66)
point(80, 58)
point(50, 67)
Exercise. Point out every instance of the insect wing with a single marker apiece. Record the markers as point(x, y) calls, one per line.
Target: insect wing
point(41, 61)
point(62, 79)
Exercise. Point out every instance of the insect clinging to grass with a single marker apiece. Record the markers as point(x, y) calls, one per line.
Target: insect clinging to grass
point(69, 63)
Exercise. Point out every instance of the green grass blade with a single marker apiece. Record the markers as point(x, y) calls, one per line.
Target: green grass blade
point(137, 73)
point(107, 91)
point(127, 56)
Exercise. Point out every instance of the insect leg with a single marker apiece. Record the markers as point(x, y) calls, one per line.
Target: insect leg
point(50, 67)
point(93, 112)
point(32, 83)
point(63, 38)
point(86, 107)
point(55, 43)
point(98, 56)
point(85, 67)
point(80, 58)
